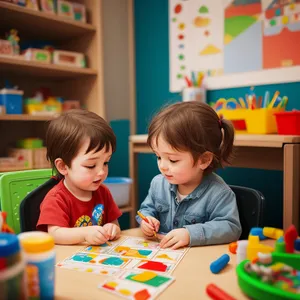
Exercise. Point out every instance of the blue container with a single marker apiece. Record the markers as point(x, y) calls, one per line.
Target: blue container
point(12, 100)
point(120, 189)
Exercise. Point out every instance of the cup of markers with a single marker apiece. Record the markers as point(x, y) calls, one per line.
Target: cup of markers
point(194, 91)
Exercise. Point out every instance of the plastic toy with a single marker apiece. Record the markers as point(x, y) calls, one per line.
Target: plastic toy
point(39, 55)
point(3, 226)
point(233, 247)
point(272, 233)
point(214, 292)
point(69, 58)
point(32, 4)
point(259, 232)
point(14, 39)
point(70, 104)
point(79, 12)
point(47, 6)
point(6, 47)
point(275, 275)
point(219, 264)
point(254, 247)
point(65, 9)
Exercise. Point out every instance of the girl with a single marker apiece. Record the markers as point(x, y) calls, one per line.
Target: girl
point(188, 202)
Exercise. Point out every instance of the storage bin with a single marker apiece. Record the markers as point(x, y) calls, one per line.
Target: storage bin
point(288, 122)
point(120, 189)
point(262, 120)
point(12, 100)
point(254, 121)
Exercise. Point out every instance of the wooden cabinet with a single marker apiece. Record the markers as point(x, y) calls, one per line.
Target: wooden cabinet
point(70, 83)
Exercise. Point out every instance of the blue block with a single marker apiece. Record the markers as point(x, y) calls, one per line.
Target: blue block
point(258, 231)
point(12, 100)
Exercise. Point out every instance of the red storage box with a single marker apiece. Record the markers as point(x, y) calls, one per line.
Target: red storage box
point(288, 122)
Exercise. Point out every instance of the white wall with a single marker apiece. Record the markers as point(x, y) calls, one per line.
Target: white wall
point(116, 70)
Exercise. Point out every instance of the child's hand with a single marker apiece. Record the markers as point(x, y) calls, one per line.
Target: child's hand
point(148, 228)
point(112, 230)
point(96, 235)
point(176, 238)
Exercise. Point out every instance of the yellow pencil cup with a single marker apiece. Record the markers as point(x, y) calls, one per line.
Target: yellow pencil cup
point(262, 120)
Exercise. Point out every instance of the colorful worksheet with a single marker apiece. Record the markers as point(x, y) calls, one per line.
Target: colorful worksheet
point(137, 284)
point(127, 253)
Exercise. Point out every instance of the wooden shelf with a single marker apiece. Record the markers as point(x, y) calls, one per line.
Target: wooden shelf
point(37, 23)
point(16, 66)
point(26, 117)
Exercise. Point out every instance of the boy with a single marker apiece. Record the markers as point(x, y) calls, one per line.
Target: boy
point(79, 147)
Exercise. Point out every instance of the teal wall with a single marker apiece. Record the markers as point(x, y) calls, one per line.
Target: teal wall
point(152, 88)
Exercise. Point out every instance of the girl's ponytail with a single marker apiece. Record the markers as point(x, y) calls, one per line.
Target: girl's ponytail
point(227, 142)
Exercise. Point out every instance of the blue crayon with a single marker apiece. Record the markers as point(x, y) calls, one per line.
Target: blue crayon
point(219, 264)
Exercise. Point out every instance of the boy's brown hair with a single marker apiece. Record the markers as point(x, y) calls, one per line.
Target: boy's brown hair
point(195, 127)
point(66, 134)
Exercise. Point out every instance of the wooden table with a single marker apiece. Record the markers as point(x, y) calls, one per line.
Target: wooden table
point(192, 276)
point(270, 152)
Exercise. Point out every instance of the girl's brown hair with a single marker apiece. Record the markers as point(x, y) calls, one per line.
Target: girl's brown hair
point(195, 127)
point(66, 134)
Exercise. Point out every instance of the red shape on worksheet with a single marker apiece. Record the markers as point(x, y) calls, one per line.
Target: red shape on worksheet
point(154, 266)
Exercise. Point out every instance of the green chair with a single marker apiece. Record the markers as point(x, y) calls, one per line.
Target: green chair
point(14, 187)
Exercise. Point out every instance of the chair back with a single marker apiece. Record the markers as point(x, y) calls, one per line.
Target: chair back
point(250, 204)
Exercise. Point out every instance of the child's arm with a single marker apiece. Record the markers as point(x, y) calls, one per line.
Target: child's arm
point(93, 235)
point(223, 225)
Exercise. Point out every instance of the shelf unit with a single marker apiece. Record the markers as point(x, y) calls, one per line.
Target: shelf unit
point(71, 83)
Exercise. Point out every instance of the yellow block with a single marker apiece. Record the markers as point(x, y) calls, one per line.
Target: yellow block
point(272, 233)
point(254, 247)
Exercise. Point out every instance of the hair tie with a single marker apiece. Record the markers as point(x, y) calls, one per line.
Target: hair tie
point(220, 121)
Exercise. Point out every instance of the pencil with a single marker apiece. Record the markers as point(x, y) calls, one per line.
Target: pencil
point(146, 220)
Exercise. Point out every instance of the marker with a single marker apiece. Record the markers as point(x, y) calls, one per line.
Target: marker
point(216, 293)
point(276, 94)
point(147, 221)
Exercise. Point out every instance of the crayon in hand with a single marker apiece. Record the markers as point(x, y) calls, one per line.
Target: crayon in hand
point(146, 220)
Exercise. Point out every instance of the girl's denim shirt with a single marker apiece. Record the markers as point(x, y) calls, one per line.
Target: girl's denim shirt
point(209, 213)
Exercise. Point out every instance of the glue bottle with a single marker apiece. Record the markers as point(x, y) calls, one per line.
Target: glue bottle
point(12, 268)
point(40, 259)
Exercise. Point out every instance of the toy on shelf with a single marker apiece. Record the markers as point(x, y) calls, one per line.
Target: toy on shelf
point(12, 100)
point(6, 48)
point(273, 274)
point(40, 55)
point(48, 6)
point(28, 154)
point(253, 114)
point(70, 104)
point(69, 58)
point(14, 39)
point(50, 106)
point(79, 12)
point(65, 9)
point(32, 4)
point(19, 2)
point(43, 103)
point(3, 225)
